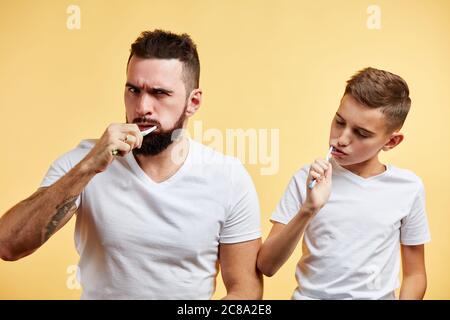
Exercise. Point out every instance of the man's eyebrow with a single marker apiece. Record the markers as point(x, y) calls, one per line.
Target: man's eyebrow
point(166, 91)
point(151, 90)
point(128, 84)
point(358, 128)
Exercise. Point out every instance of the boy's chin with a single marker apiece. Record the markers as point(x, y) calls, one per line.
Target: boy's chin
point(345, 162)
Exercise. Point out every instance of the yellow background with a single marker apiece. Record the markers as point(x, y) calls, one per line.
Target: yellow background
point(265, 64)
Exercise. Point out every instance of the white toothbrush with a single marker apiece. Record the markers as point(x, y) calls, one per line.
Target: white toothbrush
point(146, 132)
point(327, 158)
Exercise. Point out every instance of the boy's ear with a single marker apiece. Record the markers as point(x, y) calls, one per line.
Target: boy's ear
point(393, 141)
point(194, 101)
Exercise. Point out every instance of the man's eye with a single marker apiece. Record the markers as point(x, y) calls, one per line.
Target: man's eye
point(133, 90)
point(339, 123)
point(159, 92)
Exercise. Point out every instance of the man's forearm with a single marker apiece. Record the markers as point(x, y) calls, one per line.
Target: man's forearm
point(413, 287)
point(31, 222)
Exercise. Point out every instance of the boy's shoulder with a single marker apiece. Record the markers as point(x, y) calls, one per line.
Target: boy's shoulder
point(402, 175)
point(301, 175)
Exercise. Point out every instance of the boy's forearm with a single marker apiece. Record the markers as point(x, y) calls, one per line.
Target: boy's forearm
point(413, 287)
point(277, 249)
point(246, 294)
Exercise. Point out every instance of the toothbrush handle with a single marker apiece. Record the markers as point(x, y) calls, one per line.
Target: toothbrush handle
point(312, 184)
point(327, 158)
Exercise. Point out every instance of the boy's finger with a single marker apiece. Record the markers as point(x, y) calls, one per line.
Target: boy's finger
point(315, 175)
point(317, 168)
point(329, 172)
point(323, 163)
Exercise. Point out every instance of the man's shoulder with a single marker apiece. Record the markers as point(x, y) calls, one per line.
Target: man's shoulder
point(86, 144)
point(73, 156)
point(82, 148)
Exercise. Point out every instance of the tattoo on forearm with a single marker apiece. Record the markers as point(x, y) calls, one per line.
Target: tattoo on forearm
point(61, 211)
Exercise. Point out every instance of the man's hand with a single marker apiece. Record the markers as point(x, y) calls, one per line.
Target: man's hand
point(321, 171)
point(118, 138)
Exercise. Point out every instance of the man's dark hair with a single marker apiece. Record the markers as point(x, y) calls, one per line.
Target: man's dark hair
point(160, 44)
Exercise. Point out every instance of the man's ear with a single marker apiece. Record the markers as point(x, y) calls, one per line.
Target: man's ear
point(393, 141)
point(193, 102)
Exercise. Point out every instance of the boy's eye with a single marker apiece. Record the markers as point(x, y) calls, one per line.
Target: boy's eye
point(340, 123)
point(360, 134)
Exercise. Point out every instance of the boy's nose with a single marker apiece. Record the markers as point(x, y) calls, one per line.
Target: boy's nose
point(343, 140)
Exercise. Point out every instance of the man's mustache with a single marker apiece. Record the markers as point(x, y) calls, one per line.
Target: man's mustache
point(146, 121)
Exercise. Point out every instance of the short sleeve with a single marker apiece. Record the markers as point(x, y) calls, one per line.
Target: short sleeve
point(242, 222)
point(64, 164)
point(292, 199)
point(414, 228)
point(57, 169)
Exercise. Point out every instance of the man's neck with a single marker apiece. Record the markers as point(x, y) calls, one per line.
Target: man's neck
point(368, 168)
point(162, 166)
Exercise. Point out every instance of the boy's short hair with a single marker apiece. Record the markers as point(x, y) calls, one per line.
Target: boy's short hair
point(382, 89)
point(160, 44)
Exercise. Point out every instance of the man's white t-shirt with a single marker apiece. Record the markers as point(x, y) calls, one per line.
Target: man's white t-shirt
point(351, 248)
point(138, 239)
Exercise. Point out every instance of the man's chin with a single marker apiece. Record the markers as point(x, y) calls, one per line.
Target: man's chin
point(154, 145)
point(159, 140)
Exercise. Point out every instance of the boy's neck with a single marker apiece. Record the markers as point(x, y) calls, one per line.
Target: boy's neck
point(368, 168)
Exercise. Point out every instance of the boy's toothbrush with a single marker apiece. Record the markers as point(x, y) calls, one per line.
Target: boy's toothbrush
point(115, 152)
point(327, 158)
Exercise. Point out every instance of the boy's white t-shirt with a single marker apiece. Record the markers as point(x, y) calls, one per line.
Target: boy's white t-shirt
point(139, 239)
point(351, 248)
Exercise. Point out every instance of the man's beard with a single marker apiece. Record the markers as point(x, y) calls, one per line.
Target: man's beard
point(156, 142)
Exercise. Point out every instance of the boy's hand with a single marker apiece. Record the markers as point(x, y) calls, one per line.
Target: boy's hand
point(321, 170)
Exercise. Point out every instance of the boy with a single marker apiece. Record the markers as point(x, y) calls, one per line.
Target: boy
point(360, 211)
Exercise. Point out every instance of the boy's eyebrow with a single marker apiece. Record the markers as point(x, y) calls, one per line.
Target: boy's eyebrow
point(151, 90)
point(358, 128)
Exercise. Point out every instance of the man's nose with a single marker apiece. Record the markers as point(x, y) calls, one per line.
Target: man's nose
point(145, 105)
